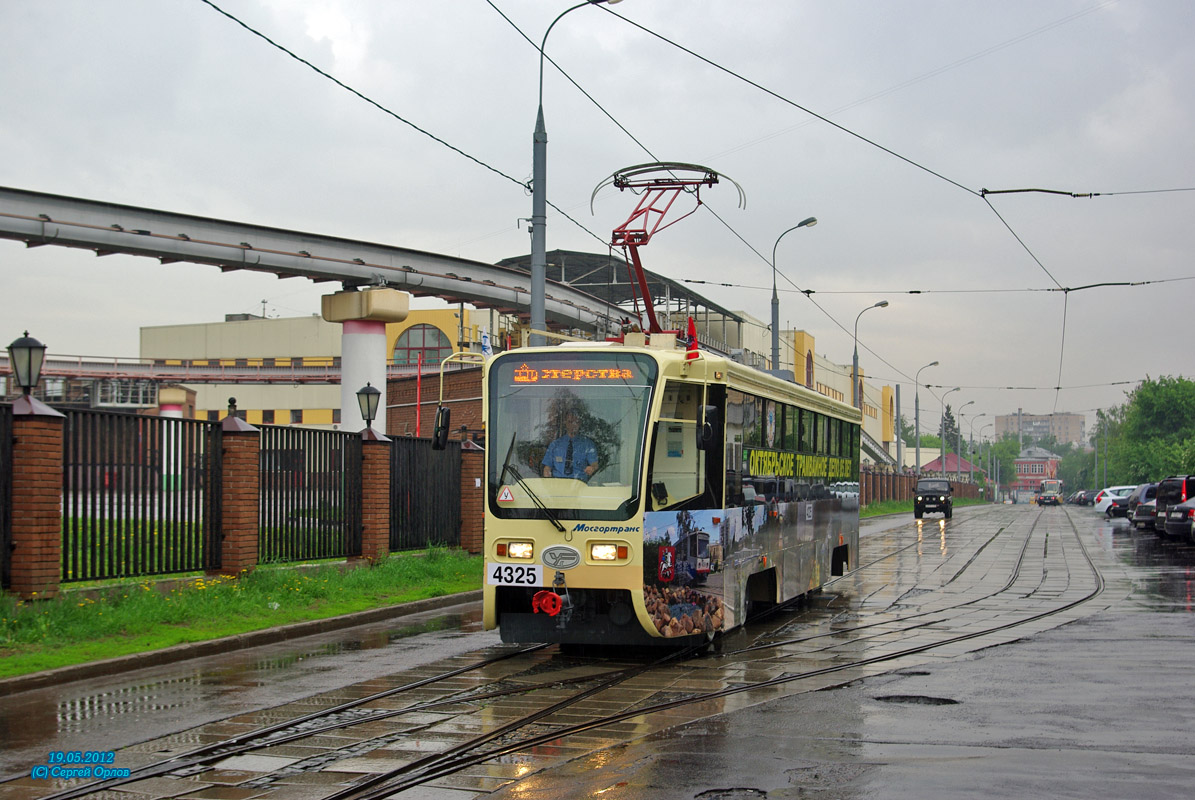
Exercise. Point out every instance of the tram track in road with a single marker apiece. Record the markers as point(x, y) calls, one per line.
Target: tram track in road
point(386, 785)
point(905, 623)
point(547, 723)
point(341, 717)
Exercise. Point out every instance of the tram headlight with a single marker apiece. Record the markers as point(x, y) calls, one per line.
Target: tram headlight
point(521, 550)
point(607, 551)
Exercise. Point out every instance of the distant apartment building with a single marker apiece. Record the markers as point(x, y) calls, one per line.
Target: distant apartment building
point(1069, 428)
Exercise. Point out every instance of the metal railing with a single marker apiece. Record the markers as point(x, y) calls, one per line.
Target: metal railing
point(141, 495)
point(310, 494)
point(425, 494)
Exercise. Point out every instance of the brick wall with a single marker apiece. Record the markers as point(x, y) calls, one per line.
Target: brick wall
point(472, 499)
point(240, 487)
point(462, 394)
point(36, 505)
point(375, 500)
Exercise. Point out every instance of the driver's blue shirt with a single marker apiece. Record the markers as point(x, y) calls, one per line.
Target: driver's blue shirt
point(584, 454)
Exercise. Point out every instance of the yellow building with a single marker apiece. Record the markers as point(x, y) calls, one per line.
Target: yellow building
point(244, 344)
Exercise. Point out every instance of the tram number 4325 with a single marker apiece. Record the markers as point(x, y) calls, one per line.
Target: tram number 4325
point(514, 574)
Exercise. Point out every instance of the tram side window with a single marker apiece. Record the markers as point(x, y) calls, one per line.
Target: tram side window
point(736, 413)
point(808, 445)
point(792, 428)
point(823, 434)
point(753, 421)
point(835, 437)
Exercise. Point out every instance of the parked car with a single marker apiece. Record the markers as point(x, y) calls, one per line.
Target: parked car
point(1104, 499)
point(933, 494)
point(1119, 507)
point(1172, 491)
point(1178, 520)
point(1144, 516)
point(1143, 492)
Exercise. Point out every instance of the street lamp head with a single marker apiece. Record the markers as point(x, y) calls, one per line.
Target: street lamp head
point(807, 223)
point(367, 398)
point(881, 304)
point(25, 356)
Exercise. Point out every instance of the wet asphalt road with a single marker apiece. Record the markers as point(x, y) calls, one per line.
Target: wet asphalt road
point(1100, 707)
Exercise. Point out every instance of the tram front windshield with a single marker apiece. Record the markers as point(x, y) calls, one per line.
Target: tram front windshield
point(565, 433)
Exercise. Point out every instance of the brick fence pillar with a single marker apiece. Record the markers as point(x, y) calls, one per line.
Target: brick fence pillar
point(241, 496)
point(472, 498)
point(36, 565)
point(375, 497)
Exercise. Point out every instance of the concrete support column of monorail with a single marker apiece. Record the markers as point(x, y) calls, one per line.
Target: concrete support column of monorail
point(364, 314)
point(170, 406)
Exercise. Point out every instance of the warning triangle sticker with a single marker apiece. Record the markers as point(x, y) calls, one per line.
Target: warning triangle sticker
point(505, 496)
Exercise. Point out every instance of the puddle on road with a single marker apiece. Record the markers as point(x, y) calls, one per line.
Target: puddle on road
point(1162, 568)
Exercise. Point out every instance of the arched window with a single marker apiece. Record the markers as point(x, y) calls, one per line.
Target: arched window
point(427, 339)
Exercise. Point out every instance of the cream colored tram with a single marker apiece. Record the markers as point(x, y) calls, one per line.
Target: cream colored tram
point(603, 458)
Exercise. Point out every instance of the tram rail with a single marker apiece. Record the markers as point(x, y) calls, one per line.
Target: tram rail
point(506, 736)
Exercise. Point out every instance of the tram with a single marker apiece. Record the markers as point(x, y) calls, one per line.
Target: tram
point(1049, 492)
point(642, 491)
point(615, 556)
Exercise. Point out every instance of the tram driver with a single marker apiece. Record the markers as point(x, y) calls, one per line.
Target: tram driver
point(571, 455)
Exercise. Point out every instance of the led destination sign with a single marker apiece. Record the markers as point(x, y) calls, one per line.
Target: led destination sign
point(551, 374)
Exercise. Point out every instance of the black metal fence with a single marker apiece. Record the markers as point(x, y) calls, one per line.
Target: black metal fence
point(5, 496)
point(141, 495)
point(425, 495)
point(310, 494)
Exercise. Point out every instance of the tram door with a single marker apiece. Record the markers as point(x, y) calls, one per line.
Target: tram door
point(678, 467)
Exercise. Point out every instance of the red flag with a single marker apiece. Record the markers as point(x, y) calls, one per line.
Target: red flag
point(692, 354)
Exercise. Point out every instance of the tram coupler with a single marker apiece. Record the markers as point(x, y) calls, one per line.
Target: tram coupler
point(554, 602)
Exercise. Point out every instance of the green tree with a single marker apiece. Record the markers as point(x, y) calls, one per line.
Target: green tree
point(1004, 454)
point(1156, 428)
point(950, 430)
point(1150, 436)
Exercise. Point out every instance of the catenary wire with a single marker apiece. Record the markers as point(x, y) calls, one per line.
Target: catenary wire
point(389, 112)
point(807, 293)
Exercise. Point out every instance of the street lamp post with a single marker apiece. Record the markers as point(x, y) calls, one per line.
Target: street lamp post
point(856, 390)
point(539, 194)
point(958, 447)
point(917, 411)
point(990, 476)
point(942, 431)
point(971, 447)
point(805, 223)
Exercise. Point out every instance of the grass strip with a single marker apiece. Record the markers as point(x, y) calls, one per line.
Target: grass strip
point(81, 626)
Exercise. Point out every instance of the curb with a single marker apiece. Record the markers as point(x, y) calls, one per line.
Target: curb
point(228, 644)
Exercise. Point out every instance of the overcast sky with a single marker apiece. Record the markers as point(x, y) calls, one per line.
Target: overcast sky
point(171, 105)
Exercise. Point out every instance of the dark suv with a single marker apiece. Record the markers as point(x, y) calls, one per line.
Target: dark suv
point(933, 494)
point(1170, 492)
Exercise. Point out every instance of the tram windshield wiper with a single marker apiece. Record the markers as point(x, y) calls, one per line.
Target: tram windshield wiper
point(508, 468)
